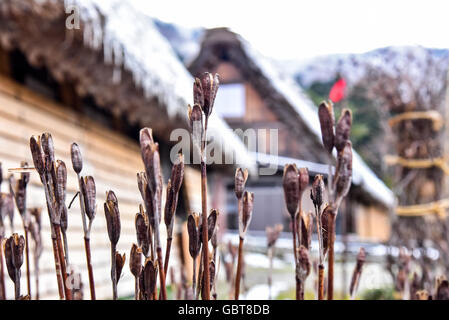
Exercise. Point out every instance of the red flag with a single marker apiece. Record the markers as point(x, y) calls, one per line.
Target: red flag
point(337, 92)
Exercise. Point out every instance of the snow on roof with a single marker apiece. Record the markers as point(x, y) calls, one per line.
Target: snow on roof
point(363, 176)
point(130, 38)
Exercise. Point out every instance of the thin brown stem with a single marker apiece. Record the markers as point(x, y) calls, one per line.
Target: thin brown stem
point(136, 288)
point(167, 254)
point(206, 277)
point(320, 282)
point(27, 261)
point(239, 270)
point(330, 266)
point(53, 238)
point(194, 277)
point(89, 268)
point(57, 265)
point(67, 291)
point(113, 273)
point(161, 274)
point(17, 283)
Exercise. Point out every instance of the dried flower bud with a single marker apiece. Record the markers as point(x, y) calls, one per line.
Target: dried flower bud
point(343, 129)
point(327, 212)
point(195, 116)
point(273, 234)
point(290, 183)
point(317, 191)
point(112, 215)
point(37, 154)
point(89, 191)
point(361, 257)
point(49, 151)
point(239, 182)
point(135, 260)
point(442, 289)
point(14, 254)
point(327, 121)
point(198, 95)
point(149, 278)
point(173, 187)
point(61, 190)
point(344, 170)
point(119, 263)
point(306, 229)
point(209, 84)
point(194, 234)
point(304, 265)
point(151, 160)
point(211, 224)
point(77, 158)
point(246, 213)
point(303, 175)
point(142, 232)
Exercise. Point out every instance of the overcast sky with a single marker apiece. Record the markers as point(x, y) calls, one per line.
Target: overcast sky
point(286, 29)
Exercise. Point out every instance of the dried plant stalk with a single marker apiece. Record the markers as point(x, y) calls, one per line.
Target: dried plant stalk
point(272, 236)
point(244, 221)
point(43, 157)
point(87, 195)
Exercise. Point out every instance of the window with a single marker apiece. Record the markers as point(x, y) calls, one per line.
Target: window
point(230, 100)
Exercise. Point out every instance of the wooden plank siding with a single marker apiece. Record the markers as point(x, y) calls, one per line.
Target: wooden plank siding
point(112, 159)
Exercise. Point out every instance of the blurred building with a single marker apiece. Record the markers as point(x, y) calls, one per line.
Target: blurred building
point(96, 85)
point(253, 94)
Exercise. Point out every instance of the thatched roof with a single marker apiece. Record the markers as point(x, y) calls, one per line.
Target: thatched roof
point(117, 56)
point(285, 98)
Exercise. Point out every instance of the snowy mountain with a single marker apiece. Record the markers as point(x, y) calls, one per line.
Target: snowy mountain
point(353, 67)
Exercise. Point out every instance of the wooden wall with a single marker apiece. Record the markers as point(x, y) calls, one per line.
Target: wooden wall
point(113, 161)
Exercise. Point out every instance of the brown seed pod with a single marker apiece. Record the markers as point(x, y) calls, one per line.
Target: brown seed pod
point(327, 212)
point(149, 278)
point(327, 121)
point(211, 275)
point(246, 213)
point(343, 129)
point(239, 182)
point(37, 154)
point(77, 158)
point(306, 229)
point(304, 265)
point(141, 223)
point(290, 182)
point(209, 84)
point(151, 160)
point(317, 191)
point(119, 263)
point(112, 215)
point(89, 192)
point(14, 246)
point(61, 191)
point(303, 175)
point(344, 170)
point(273, 234)
point(194, 234)
point(198, 95)
point(49, 151)
point(211, 224)
point(173, 187)
point(135, 260)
